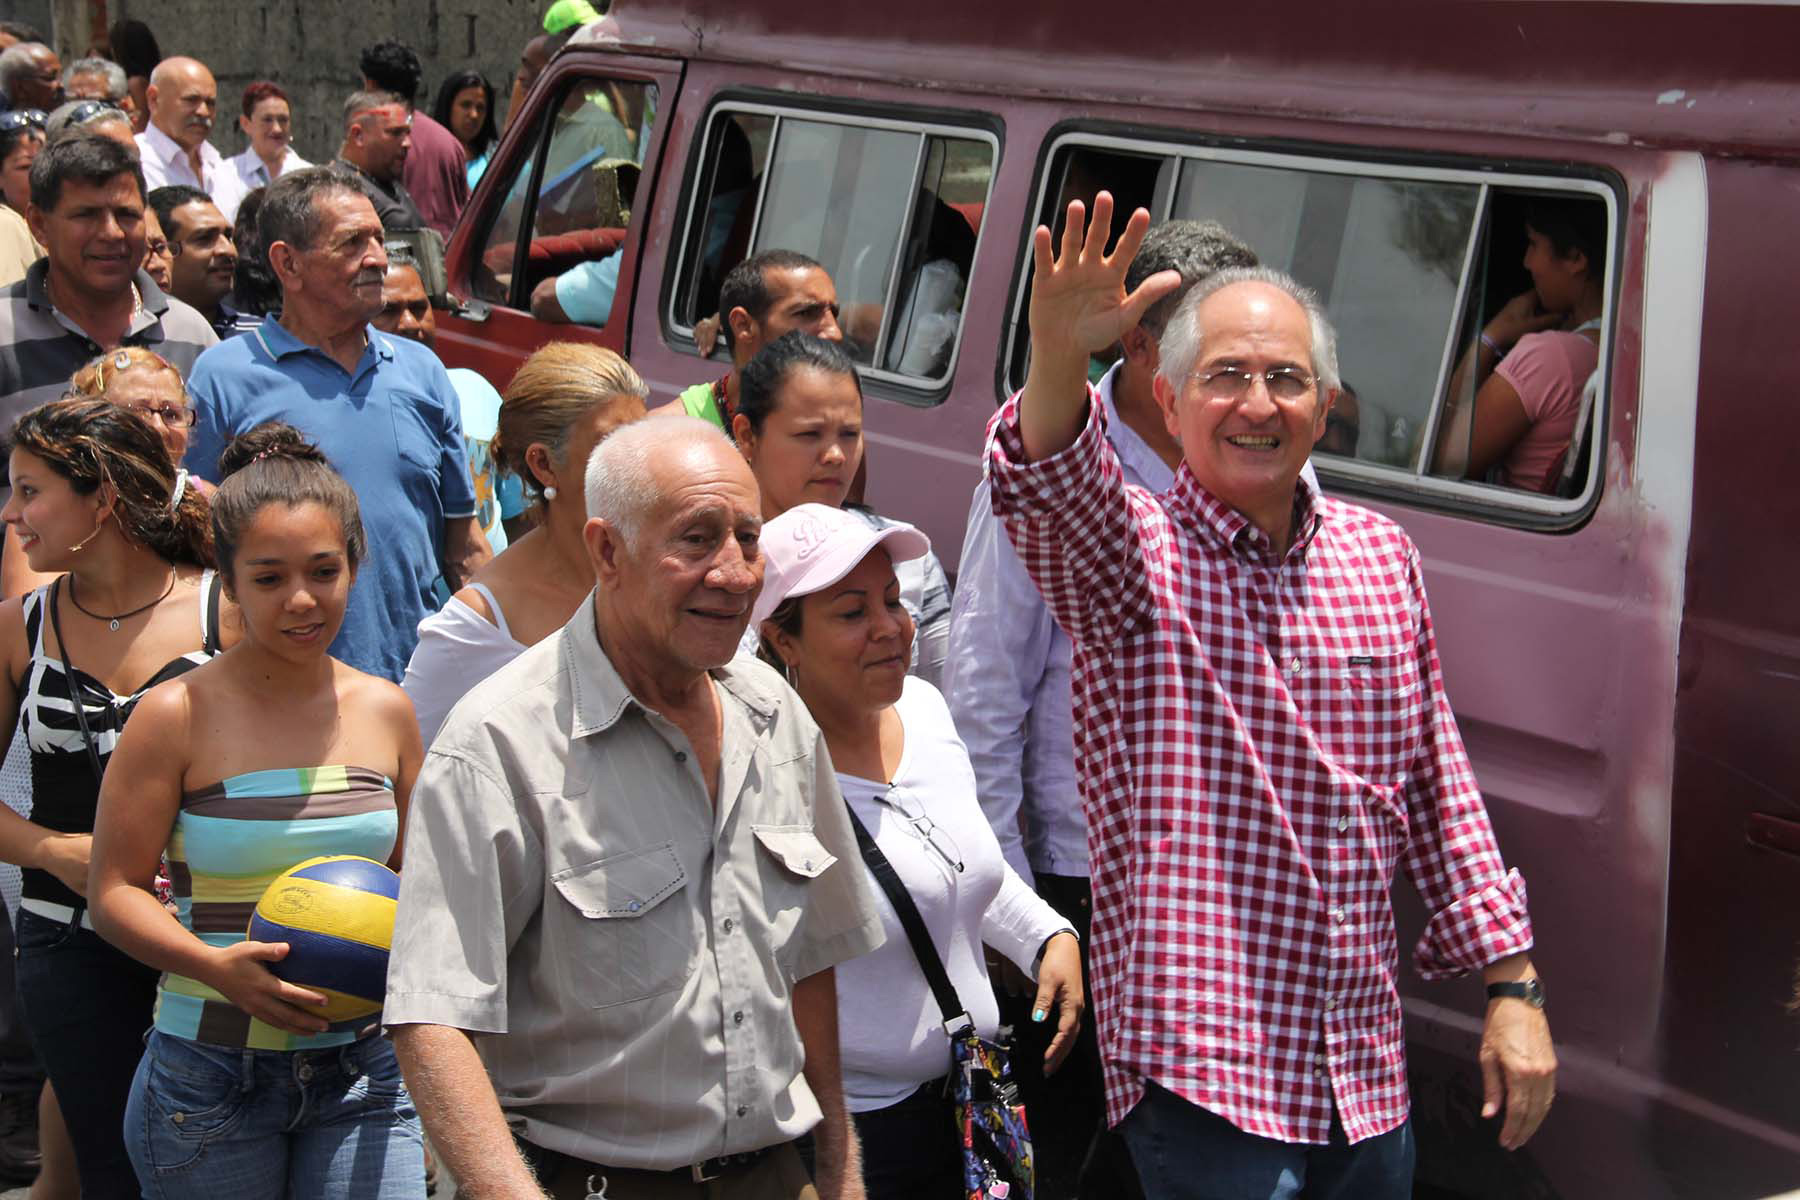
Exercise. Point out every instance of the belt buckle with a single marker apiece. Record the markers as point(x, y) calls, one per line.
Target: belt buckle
point(698, 1170)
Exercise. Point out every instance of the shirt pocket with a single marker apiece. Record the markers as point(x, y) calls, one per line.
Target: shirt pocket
point(792, 857)
point(414, 438)
point(631, 928)
point(1376, 733)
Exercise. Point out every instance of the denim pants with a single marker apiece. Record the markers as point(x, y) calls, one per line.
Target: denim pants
point(87, 1005)
point(211, 1122)
point(1184, 1152)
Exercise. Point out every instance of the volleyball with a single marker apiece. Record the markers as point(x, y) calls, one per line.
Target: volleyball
point(337, 916)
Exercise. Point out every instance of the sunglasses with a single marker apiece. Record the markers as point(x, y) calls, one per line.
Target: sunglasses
point(87, 110)
point(19, 118)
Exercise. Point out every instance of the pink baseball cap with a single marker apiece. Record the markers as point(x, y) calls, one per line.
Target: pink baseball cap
point(812, 546)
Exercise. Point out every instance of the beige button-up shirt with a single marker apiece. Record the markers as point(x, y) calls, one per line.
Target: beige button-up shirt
point(625, 952)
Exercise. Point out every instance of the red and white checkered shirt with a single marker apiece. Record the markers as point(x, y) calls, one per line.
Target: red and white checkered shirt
point(1260, 742)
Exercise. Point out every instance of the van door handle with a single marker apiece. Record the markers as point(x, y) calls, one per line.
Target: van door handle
point(1774, 833)
point(471, 310)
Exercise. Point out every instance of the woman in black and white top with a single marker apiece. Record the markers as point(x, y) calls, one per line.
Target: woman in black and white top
point(96, 500)
point(831, 617)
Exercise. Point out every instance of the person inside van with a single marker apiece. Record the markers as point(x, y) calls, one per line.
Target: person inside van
point(1534, 356)
point(763, 297)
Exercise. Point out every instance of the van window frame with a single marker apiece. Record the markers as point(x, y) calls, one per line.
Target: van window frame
point(1502, 505)
point(916, 391)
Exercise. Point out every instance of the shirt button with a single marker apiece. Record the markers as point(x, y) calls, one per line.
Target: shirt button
point(1294, 667)
point(1330, 1003)
point(743, 1110)
point(737, 1018)
point(635, 905)
point(1337, 914)
point(1344, 823)
point(681, 756)
point(728, 924)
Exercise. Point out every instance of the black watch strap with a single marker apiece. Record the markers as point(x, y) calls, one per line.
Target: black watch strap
point(1531, 991)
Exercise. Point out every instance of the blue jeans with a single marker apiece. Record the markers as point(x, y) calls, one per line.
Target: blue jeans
point(212, 1122)
point(87, 1005)
point(1184, 1152)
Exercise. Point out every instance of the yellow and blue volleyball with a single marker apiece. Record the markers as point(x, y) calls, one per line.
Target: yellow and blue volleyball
point(337, 916)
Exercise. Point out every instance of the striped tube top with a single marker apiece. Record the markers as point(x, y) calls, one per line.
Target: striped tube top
point(229, 843)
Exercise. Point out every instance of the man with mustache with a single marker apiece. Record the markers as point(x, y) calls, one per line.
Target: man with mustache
point(381, 408)
point(203, 259)
point(183, 101)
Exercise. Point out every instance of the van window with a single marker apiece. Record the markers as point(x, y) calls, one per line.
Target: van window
point(1412, 264)
point(582, 183)
point(891, 210)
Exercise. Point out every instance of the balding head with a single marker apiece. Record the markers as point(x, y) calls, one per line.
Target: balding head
point(183, 100)
point(673, 520)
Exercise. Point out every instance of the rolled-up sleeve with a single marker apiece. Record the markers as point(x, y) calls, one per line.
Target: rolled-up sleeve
point(472, 879)
point(841, 921)
point(1075, 523)
point(1477, 907)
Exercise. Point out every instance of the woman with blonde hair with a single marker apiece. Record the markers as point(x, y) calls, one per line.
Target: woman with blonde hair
point(561, 403)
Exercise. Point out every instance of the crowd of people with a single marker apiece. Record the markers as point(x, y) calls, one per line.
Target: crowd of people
point(720, 815)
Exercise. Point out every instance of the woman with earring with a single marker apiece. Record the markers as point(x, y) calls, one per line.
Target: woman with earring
point(830, 616)
point(563, 401)
point(97, 501)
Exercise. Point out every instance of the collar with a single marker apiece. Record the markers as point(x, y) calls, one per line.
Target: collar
point(1200, 509)
point(167, 149)
point(389, 190)
point(155, 301)
point(1143, 466)
point(601, 697)
point(279, 343)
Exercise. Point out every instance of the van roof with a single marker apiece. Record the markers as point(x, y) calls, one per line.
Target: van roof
point(1716, 77)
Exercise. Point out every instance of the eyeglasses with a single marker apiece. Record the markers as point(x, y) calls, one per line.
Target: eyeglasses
point(923, 827)
point(87, 110)
point(158, 247)
point(1233, 383)
point(19, 118)
point(173, 416)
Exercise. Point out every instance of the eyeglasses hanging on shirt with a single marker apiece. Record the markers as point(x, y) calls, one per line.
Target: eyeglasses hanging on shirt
point(922, 826)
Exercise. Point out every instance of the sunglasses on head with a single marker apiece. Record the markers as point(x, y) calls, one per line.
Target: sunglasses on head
point(87, 110)
point(19, 118)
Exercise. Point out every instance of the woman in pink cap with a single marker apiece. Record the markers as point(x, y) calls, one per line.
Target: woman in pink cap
point(831, 618)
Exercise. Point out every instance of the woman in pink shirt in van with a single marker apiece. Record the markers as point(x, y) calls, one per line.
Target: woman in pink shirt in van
point(1537, 352)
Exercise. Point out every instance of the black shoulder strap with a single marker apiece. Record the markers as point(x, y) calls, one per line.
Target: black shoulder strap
point(210, 642)
point(911, 921)
point(74, 685)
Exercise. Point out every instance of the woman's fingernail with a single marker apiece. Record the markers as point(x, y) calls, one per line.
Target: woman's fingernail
point(1038, 1014)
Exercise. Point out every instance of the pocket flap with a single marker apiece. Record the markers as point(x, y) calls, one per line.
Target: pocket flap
point(623, 885)
point(797, 848)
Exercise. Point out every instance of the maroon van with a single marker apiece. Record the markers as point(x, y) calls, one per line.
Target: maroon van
point(1622, 643)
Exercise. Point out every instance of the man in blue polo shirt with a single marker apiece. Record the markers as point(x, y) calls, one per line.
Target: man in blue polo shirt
point(381, 408)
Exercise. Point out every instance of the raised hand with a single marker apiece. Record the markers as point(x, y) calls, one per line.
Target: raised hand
point(1078, 306)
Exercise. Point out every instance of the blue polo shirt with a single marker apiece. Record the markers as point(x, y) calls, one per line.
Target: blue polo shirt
point(392, 428)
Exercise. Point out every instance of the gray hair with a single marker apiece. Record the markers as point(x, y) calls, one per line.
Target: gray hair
point(116, 86)
point(1195, 249)
point(62, 118)
point(18, 60)
point(358, 103)
point(618, 483)
point(290, 211)
point(1181, 341)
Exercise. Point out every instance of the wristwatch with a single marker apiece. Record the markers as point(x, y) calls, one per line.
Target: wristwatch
point(1531, 991)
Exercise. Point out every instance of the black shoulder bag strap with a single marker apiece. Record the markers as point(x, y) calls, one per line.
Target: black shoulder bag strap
point(75, 701)
point(913, 923)
point(210, 644)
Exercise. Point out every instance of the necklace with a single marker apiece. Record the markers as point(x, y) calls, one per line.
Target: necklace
point(113, 622)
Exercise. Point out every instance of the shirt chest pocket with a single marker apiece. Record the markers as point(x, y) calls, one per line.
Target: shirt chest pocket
point(414, 438)
point(1378, 713)
point(630, 925)
point(791, 857)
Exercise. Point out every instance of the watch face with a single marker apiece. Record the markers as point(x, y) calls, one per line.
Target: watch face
point(1534, 992)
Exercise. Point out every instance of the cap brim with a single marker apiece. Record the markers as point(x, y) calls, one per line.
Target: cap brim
point(902, 542)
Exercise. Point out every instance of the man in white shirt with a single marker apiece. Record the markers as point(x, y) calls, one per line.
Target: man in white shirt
point(183, 101)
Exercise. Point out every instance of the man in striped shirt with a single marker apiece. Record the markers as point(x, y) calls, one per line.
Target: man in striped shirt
point(89, 293)
point(1263, 742)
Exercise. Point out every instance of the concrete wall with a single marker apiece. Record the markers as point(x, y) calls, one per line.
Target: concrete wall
point(310, 48)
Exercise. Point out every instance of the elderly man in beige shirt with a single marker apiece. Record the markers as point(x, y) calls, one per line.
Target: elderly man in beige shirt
point(629, 874)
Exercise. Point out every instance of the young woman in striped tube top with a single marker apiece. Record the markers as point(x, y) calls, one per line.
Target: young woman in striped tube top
point(269, 755)
point(97, 505)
